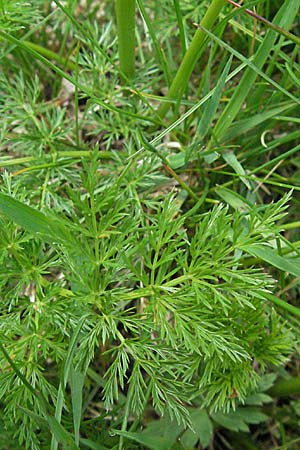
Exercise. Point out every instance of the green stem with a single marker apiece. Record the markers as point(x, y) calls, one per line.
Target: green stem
point(49, 54)
point(291, 225)
point(191, 56)
point(283, 388)
point(180, 182)
point(125, 15)
point(76, 154)
point(282, 304)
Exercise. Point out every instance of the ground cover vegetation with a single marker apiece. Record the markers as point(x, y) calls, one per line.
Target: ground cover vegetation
point(149, 212)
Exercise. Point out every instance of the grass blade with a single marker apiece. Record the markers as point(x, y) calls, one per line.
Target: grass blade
point(61, 434)
point(151, 442)
point(282, 304)
point(269, 24)
point(254, 69)
point(93, 445)
point(243, 126)
point(233, 162)
point(213, 103)
point(233, 199)
point(184, 116)
point(284, 18)
point(268, 255)
point(32, 220)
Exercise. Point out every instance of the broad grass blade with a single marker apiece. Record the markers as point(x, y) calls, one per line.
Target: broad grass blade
point(270, 256)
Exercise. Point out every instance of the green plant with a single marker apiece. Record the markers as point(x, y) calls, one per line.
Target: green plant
point(125, 16)
point(138, 259)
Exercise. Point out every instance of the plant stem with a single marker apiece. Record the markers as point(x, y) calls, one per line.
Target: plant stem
point(282, 304)
point(191, 56)
point(125, 15)
point(49, 54)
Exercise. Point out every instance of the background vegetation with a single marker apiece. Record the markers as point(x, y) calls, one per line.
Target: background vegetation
point(149, 212)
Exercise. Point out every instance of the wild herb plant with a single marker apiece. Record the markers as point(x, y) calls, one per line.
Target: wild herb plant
point(140, 243)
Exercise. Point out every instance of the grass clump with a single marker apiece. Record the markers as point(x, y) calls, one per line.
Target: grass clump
point(149, 267)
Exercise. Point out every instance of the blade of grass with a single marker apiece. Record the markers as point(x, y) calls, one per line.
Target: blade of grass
point(267, 254)
point(125, 15)
point(61, 435)
point(285, 387)
point(166, 166)
point(286, 139)
point(293, 76)
point(49, 54)
point(282, 304)
point(93, 445)
point(277, 159)
point(233, 199)
point(284, 18)
point(213, 103)
point(191, 56)
point(32, 220)
point(245, 125)
point(60, 157)
point(76, 98)
point(151, 442)
point(254, 69)
point(233, 162)
point(258, 39)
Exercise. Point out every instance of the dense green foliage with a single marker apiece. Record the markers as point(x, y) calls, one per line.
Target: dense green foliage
point(149, 244)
